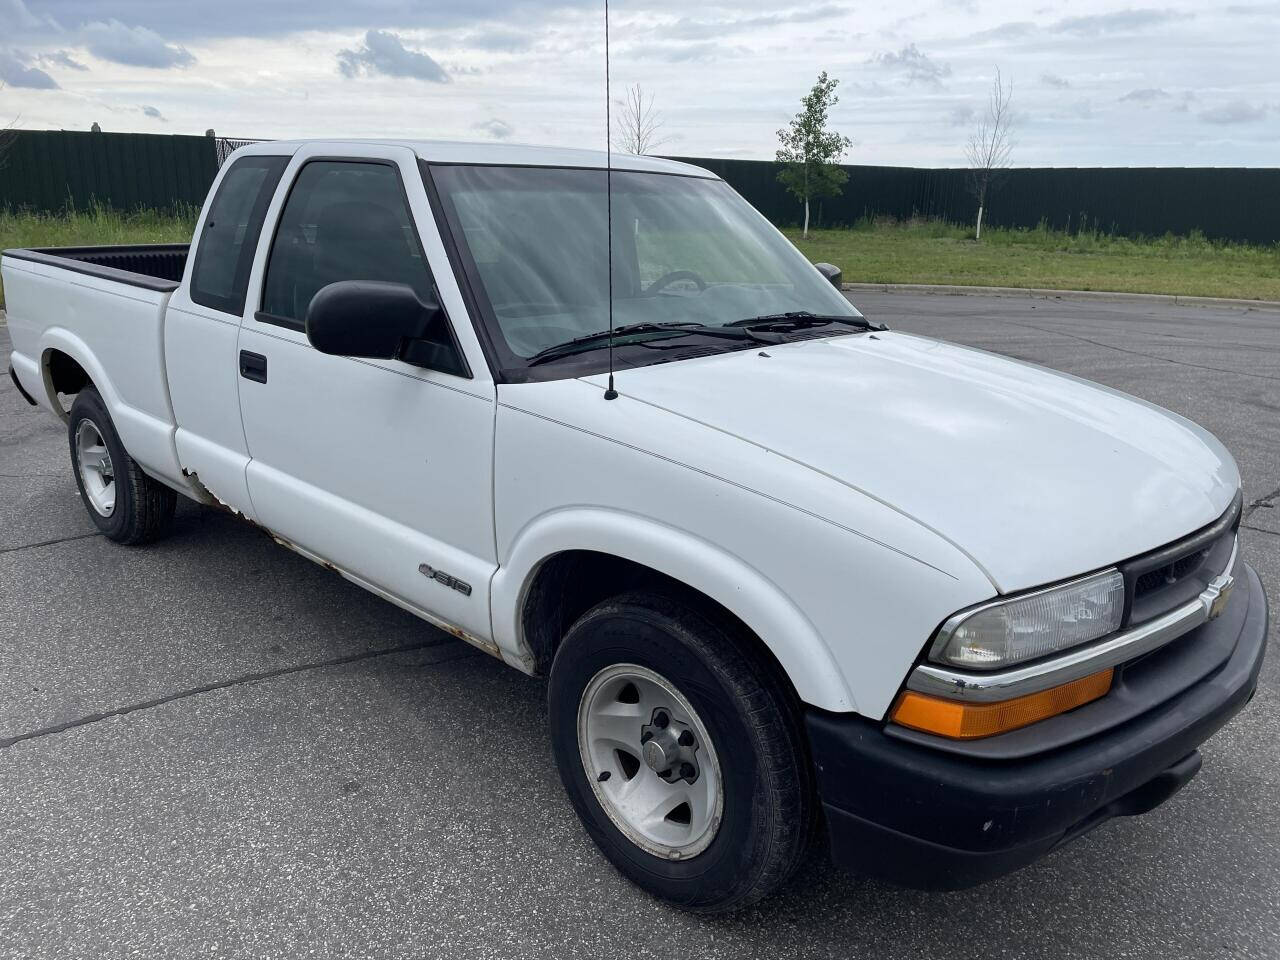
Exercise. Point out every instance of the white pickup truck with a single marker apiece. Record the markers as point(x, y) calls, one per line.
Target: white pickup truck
point(798, 579)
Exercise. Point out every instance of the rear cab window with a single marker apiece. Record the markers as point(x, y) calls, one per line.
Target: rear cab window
point(226, 245)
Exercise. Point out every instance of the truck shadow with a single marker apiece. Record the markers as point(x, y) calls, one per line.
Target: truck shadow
point(433, 767)
point(1126, 889)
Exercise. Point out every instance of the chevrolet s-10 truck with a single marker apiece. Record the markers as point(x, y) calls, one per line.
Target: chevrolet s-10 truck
point(794, 578)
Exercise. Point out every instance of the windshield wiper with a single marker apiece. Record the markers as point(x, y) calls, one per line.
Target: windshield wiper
point(803, 319)
point(593, 341)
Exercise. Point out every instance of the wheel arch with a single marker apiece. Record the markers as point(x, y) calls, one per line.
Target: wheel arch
point(66, 361)
point(67, 365)
point(564, 562)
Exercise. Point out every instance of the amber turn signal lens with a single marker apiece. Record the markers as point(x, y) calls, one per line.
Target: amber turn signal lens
point(966, 721)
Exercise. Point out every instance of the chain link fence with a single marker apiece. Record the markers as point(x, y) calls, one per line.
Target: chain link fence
point(224, 147)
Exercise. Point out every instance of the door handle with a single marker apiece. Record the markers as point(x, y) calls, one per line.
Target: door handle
point(253, 366)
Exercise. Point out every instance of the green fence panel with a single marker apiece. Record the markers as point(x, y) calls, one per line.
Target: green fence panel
point(52, 170)
point(48, 171)
point(1241, 204)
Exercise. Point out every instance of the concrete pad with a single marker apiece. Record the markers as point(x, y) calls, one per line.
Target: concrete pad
point(262, 783)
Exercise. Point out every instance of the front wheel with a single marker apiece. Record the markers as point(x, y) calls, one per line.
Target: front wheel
point(682, 755)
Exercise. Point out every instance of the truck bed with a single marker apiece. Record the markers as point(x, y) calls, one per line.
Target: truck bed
point(103, 309)
point(155, 266)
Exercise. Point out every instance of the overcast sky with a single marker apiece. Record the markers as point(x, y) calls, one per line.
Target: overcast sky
point(1095, 83)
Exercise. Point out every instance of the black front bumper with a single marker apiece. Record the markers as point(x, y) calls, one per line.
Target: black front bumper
point(940, 821)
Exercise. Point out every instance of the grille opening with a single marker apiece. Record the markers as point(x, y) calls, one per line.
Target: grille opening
point(1170, 573)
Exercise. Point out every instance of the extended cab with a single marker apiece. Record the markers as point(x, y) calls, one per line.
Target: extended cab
point(786, 570)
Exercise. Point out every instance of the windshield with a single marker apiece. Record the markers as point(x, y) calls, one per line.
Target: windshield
point(685, 250)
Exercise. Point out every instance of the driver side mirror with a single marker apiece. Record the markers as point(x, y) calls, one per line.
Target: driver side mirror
point(831, 272)
point(386, 321)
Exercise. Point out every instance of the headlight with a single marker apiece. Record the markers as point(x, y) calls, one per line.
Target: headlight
point(1033, 625)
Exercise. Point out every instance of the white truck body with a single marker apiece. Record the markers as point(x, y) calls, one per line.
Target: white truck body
point(841, 496)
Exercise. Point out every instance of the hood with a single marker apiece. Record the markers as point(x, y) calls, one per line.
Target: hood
point(1036, 475)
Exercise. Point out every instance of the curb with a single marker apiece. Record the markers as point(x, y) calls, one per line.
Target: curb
point(958, 290)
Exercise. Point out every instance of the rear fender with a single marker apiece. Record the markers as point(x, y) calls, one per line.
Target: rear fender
point(148, 440)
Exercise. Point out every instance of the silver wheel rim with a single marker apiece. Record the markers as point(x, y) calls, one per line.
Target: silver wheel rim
point(658, 781)
point(96, 470)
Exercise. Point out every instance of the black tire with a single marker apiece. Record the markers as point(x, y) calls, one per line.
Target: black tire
point(769, 807)
point(143, 507)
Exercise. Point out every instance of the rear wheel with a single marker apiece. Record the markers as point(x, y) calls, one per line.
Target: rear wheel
point(123, 502)
point(682, 755)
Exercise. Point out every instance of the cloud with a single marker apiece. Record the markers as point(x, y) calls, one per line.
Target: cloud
point(527, 62)
point(499, 40)
point(133, 46)
point(1237, 111)
point(916, 66)
point(15, 73)
point(17, 16)
point(192, 21)
point(1145, 95)
point(1080, 110)
point(1053, 80)
point(60, 58)
point(154, 114)
point(687, 28)
point(675, 52)
point(498, 129)
point(385, 53)
point(1013, 30)
point(1122, 21)
point(873, 89)
point(961, 116)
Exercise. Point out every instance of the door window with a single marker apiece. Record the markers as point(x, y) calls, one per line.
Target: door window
point(344, 220)
point(225, 248)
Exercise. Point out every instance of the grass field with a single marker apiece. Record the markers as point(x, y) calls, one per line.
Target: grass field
point(933, 252)
point(93, 228)
point(917, 252)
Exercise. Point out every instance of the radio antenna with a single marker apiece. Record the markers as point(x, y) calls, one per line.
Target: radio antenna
point(609, 393)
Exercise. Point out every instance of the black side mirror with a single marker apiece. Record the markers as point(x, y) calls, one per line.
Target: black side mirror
point(831, 272)
point(388, 321)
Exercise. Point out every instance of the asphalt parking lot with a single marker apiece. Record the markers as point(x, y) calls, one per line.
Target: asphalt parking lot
point(212, 747)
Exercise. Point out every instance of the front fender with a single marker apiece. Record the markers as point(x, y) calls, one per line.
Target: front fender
point(738, 587)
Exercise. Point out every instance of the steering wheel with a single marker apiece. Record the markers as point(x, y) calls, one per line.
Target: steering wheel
point(674, 276)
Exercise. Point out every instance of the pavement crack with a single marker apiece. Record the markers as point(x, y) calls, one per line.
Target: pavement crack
point(1271, 533)
point(92, 718)
point(1266, 500)
point(49, 543)
point(1135, 353)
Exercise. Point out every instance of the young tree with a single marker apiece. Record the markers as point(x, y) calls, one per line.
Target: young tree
point(639, 125)
point(990, 147)
point(809, 152)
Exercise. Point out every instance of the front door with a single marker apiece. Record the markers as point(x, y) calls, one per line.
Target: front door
point(378, 467)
